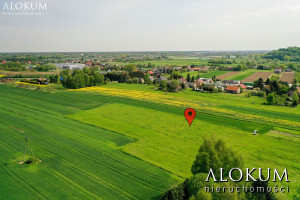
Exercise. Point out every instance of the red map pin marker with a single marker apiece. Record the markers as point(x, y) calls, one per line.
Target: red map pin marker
point(190, 115)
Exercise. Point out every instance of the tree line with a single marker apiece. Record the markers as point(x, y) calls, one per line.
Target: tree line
point(278, 92)
point(80, 78)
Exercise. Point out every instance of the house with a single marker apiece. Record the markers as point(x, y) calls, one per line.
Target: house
point(219, 84)
point(89, 63)
point(151, 78)
point(233, 89)
point(177, 68)
point(207, 80)
point(199, 82)
point(236, 82)
point(157, 73)
point(141, 81)
point(277, 70)
point(192, 85)
point(150, 73)
point(243, 86)
point(162, 78)
point(183, 80)
point(288, 70)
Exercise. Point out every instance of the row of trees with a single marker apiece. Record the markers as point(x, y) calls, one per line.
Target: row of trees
point(12, 66)
point(171, 85)
point(283, 100)
point(278, 92)
point(127, 77)
point(285, 54)
point(15, 66)
point(80, 78)
point(45, 68)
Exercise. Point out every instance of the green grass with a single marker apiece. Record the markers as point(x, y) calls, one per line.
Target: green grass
point(79, 161)
point(193, 73)
point(204, 75)
point(105, 147)
point(211, 74)
point(162, 137)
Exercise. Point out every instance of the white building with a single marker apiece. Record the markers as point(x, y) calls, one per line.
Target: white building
point(70, 65)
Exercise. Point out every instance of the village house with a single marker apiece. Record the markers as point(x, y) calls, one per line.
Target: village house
point(233, 89)
point(277, 70)
point(243, 86)
point(151, 78)
point(151, 73)
point(191, 85)
point(162, 78)
point(288, 70)
point(219, 85)
point(199, 82)
point(183, 80)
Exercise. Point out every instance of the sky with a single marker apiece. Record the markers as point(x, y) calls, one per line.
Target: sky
point(152, 25)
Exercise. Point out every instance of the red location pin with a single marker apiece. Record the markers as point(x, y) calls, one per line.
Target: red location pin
point(190, 115)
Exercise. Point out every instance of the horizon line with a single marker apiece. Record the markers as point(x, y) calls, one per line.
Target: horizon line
point(2, 52)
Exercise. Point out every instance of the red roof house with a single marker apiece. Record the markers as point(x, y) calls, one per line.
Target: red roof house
point(233, 89)
point(243, 86)
point(183, 80)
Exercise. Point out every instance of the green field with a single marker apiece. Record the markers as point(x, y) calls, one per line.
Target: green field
point(203, 75)
point(242, 75)
point(211, 74)
point(97, 145)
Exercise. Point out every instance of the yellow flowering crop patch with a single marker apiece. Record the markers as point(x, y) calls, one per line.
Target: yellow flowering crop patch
point(185, 103)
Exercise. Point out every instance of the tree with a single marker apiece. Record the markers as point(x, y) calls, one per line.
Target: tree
point(227, 195)
point(177, 193)
point(201, 195)
point(193, 79)
point(215, 155)
point(129, 67)
point(267, 81)
point(287, 58)
point(258, 195)
point(259, 83)
point(295, 98)
point(163, 85)
point(173, 86)
point(188, 78)
point(271, 98)
point(147, 79)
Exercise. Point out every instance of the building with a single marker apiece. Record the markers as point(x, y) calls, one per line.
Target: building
point(162, 78)
point(151, 73)
point(69, 65)
point(233, 89)
point(288, 70)
point(199, 82)
point(183, 80)
point(277, 70)
point(219, 85)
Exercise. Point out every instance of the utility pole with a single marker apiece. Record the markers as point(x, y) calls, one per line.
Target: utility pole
point(27, 144)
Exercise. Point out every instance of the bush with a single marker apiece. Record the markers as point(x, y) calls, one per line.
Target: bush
point(31, 160)
point(177, 193)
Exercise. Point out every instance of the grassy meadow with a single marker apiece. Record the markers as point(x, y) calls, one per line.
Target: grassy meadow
point(127, 141)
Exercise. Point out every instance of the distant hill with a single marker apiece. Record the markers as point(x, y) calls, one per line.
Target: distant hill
point(285, 54)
